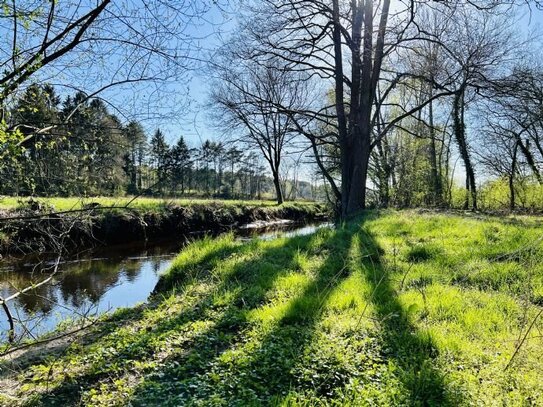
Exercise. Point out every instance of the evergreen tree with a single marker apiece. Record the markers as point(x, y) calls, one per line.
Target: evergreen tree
point(37, 109)
point(135, 155)
point(180, 164)
point(233, 156)
point(97, 144)
point(159, 158)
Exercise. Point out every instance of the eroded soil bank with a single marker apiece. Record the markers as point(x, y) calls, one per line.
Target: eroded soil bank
point(28, 231)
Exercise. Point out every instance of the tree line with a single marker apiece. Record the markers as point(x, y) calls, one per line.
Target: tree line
point(406, 104)
point(91, 152)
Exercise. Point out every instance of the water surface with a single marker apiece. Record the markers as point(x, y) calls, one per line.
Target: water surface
point(83, 287)
point(96, 282)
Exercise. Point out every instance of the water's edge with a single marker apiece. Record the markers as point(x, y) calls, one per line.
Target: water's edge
point(99, 281)
point(105, 227)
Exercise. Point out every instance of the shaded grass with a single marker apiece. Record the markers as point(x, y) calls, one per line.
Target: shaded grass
point(393, 308)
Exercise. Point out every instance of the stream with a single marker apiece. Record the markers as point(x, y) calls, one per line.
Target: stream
point(98, 281)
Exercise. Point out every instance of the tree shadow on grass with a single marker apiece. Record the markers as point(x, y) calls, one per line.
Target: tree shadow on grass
point(412, 351)
point(192, 349)
point(259, 370)
point(269, 373)
point(218, 356)
point(279, 352)
point(195, 374)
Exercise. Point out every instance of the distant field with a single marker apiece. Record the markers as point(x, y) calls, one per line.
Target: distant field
point(64, 204)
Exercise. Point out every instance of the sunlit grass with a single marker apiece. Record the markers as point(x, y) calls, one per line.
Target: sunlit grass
point(74, 203)
point(394, 308)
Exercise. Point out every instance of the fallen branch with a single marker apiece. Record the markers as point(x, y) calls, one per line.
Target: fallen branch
point(517, 349)
point(11, 331)
point(3, 301)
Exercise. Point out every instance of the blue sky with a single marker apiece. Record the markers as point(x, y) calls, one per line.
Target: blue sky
point(193, 121)
point(194, 125)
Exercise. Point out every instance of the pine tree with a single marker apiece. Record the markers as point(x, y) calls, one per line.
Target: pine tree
point(159, 158)
point(180, 164)
point(135, 155)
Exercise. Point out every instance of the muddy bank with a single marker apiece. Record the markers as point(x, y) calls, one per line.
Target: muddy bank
point(50, 232)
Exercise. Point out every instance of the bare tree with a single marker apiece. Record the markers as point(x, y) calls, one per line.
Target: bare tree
point(481, 46)
point(349, 45)
point(499, 156)
point(254, 101)
point(515, 107)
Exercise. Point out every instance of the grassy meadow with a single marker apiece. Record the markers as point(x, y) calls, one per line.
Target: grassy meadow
point(144, 203)
point(391, 309)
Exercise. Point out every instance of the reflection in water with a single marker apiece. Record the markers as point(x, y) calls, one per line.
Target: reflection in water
point(119, 276)
point(90, 286)
point(285, 231)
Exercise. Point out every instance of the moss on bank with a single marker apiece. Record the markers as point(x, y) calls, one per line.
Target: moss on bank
point(394, 308)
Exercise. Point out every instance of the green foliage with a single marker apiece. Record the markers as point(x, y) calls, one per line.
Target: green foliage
point(495, 195)
point(412, 189)
point(394, 308)
point(409, 171)
point(9, 139)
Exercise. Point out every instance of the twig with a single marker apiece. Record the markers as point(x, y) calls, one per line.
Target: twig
point(53, 338)
point(517, 349)
point(11, 332)
point(405, 276)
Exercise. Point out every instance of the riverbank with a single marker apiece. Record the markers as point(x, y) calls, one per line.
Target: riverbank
point(392, 308)
point(40, 227)
point(98, 281)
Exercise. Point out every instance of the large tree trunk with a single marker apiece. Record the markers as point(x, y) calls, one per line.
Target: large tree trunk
point(435, 179)
point(340, 109)
point(460, 134)
point(358, 162)
point(355, 130)
point(359, 130)
point(278, 189)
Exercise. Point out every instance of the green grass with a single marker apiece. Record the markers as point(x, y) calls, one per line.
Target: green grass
point(65, 204)
point(393, 308)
